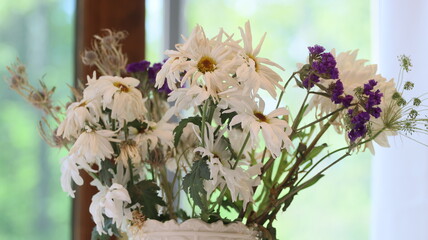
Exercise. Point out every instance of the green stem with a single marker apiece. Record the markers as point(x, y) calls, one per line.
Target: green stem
point(283, 91)
point(204, 113)
point(321, 119)
point(223, 191)
point(131, 171)
point(168, 193)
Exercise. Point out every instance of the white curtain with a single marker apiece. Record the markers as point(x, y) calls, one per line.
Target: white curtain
point(400, 173)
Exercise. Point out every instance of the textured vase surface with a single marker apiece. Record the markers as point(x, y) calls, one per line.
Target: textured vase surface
point(195, 229)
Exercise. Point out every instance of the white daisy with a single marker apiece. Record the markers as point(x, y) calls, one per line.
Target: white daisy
point(119, 95)
point(77, 116)
point(208, 62)
point(94, 145)
point(253, 73)
point(251, 117)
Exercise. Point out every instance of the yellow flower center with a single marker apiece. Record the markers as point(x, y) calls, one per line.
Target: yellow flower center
point(206, 64)
point(83, 104)
point(261, 117)
point(256, 64)
point(122, 88)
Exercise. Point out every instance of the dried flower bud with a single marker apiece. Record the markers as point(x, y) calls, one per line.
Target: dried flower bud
point(138, 218)
point(121, 35)
point(108, 41)
point(16, 81)
point(20, 69)
point(114, 61)
point(89, 58)
point(37, 97)
point(58, 141)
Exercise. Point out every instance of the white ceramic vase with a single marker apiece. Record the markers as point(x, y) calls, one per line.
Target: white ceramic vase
point(193, 229)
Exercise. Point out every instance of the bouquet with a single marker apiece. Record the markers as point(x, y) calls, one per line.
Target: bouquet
point(208, 134)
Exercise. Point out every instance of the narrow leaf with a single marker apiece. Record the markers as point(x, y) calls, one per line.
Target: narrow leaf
point(178, 131)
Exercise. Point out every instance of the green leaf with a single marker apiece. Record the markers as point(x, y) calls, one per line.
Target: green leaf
point(193, 182)
point(310, 182)
point(105, 173)
point(108, 225)
point(178, 131)
point(317, 150)
point(287, 203)
point(146, 194)
point(96, 236)
point(224, 117)
point(181, 214)
point(228, 205)
point(138, 125)
point(216, 217)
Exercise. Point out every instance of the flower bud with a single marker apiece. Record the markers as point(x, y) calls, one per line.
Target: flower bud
point(89, 58)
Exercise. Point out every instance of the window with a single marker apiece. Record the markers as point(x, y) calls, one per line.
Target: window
point(32, 203)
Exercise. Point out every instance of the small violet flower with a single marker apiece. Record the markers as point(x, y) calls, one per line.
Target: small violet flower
point(152, 71)
point(359, 128)
point(337, 91)
point(141, 66)
point(323, 65)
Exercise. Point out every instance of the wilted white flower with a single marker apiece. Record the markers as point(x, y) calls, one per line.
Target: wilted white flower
point(148, 138)
point(78, 115)
point(94, 145)
point(129, 150)
point(110, 201)
point(251, 117)
point(225, 172)
point(186, 98)
point(70, 171)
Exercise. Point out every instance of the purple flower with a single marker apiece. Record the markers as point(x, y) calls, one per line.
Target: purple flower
point(373, 98)
point(141, 66)
point(153, 71)
point(309, 81)
point(317, 49)
point(326, 66)
point(359, 128)
point(347, 100)
point(369, 86)
point(337, 92)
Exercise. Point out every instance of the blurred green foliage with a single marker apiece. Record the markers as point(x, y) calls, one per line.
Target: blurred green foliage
point(338, 206)
point(32, 205)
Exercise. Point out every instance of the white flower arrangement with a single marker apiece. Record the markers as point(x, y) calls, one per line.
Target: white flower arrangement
point(195, 128)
